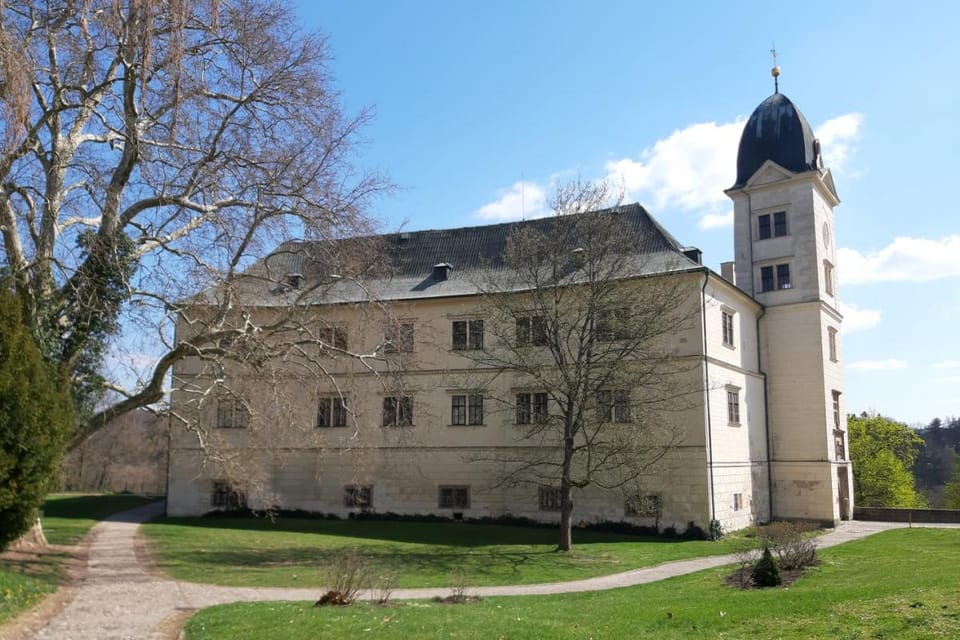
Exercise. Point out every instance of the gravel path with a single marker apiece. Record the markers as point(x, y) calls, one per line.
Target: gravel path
point(120, 599)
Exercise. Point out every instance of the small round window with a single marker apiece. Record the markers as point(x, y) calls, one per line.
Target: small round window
point(826, 235)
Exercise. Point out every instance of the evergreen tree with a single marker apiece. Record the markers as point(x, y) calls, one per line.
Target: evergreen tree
point(35, 421)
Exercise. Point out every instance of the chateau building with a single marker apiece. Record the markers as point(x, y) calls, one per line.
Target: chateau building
point(761, 437)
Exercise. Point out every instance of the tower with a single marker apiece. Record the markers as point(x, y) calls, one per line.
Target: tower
point(785, 255)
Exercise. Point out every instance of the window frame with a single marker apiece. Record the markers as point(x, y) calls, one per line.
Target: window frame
point(775, 277)
point(225, 496)
point(336, 412)
point(832, 344)
point(467, 335)
point(453, 496)
point(726, 320)
point(613, 406)
point(733, 406)
point(772, 225)
point(397, 411)
point(334, 336)
point(533, 407)
point(828, 278)
point(738, 502)
point(358, 496)
point(399, 338)
point(550, 498)
point(531, 331)
point(643, 505)
point(234, 416)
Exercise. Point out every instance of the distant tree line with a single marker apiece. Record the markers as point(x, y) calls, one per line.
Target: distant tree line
point(937, 467)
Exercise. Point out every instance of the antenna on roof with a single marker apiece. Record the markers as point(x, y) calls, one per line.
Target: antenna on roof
point(775, 72)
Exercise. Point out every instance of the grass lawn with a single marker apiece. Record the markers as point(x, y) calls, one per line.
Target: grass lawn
point(290, 552)
point(27, 578)
point(896, 584)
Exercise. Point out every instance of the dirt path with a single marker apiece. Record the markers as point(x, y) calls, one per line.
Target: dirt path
point(119, 598)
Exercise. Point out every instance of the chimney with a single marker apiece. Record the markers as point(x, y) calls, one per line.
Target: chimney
point(728, 273)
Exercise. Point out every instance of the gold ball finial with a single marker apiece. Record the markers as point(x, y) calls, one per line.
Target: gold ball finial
point(775, 72)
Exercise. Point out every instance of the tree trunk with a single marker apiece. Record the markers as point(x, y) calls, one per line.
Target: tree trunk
point(32, 539)
point(566, 517)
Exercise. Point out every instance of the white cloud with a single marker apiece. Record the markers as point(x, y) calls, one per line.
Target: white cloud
point(949, 380)
point(890, 364)
point(947, 364)
point(685, 171)
point(837, 136)
point(521, 200)
point(857, 319)
point(716, 220)
point(903, 260)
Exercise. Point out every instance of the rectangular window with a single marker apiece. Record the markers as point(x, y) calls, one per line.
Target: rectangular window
point(836, 409)
point(763, 227)
point(783, 276)
point(331, 412)
point(727, 328)
point(828, 278)
point(832, 343)
point(335, 337)
point(777, 277)
point(232, 413)
point(398, 411)
point(399, 339)
point(612, 324)
point(531, 331)
point(358, 496)
point(766, 279)
point(551, 499)
point(466, 410)
point(780, 224)
point(225, 496)
point(613, 406)
point(467, 335)
point(838, 444)
point(531, 408)
point(737, 501)
point(644, 506)
point(454, 497)
point(733, 406)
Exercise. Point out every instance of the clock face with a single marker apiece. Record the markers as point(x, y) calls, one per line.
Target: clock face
point(826, 235)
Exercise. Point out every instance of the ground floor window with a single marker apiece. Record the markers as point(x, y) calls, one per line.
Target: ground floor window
point(551, 498)
point(226, 496)
point(737, 501)
point(358, 496)
point(454, 497)
point(649, 505)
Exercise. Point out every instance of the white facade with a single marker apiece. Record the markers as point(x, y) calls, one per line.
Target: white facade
point(764, 437)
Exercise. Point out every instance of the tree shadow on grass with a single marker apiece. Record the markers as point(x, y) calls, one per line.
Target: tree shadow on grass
point(459, 534)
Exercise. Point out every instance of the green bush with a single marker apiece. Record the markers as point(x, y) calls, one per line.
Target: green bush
point(765, 572)
point(35, 418)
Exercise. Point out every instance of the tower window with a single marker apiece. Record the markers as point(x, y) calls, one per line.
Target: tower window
point(832, 343)
point(775, 277)
point(828, 277)
point(733, 406)
point(772, 225)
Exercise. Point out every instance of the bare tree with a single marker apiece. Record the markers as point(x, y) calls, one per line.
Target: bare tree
point(586, 319)
point(153, 149)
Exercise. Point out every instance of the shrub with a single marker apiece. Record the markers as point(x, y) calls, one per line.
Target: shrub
point(345, 576)
point(765, 572)
point(746, 555)
point(792, 542)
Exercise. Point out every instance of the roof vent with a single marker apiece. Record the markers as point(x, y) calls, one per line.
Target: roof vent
point(441, 271)
point(293, 280)
point(694, 254)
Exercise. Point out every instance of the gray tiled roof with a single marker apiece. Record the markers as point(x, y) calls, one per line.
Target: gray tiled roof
point(405, 263)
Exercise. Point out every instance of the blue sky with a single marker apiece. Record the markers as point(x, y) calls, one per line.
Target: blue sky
point(473, 98)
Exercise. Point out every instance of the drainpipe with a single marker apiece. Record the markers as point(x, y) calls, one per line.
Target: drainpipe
point(706, 390)
point(766, 418)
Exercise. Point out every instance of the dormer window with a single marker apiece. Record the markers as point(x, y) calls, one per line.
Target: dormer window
point(441, 271)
